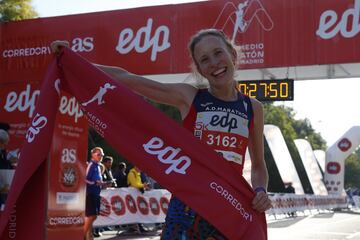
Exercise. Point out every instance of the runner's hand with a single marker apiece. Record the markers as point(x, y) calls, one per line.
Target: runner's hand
point(57, 45)
point(261, 202)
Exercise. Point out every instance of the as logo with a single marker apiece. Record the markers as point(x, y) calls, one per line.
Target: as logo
point(37, 123)
point(168, 155)
point(344, 144)
point(82, 44)
point(68, 155)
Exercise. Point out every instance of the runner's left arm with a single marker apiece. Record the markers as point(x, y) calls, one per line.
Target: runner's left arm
point(259, 173)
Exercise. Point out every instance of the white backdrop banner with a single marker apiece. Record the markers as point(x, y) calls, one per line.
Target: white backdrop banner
point(282, 157)
point(320, 157)
point(311, 167)
point(128, 205)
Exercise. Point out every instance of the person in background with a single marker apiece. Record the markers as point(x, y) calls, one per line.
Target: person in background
point(94, 184)
point(289, 188)
point(109, 181)
point(121, 176)
point(134, 179)
point(4, 140)
point(107, 174)
point(144, 179)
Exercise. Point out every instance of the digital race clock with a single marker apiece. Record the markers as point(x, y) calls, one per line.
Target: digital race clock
point(268, 90)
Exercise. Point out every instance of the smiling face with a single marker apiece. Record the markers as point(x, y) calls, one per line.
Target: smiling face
point(215, 61)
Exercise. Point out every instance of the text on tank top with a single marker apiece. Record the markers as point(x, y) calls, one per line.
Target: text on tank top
point(223, 125)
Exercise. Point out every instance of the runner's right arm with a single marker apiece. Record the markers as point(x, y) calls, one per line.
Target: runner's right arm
point(179, 95)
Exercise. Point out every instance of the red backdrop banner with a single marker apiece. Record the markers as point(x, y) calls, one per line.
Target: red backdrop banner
point(271, 33)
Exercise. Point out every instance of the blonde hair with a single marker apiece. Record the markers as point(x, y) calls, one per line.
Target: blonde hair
point(95, 149)
point(195, 39)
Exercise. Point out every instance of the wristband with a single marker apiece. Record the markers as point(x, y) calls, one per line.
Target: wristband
point(260, 189)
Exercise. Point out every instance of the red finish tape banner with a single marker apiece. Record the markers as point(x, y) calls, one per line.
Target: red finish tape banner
point(159, 146)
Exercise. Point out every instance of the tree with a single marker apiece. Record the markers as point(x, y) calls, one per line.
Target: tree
point(283, 117)
point(14, 10)
point(304, 129)
point(352, 170)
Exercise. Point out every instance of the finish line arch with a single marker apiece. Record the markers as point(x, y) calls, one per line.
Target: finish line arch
point(335, 159)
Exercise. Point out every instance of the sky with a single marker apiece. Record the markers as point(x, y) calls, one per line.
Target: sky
point(330, 105)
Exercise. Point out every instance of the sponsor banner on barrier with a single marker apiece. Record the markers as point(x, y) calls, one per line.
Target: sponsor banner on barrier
point(129, 205)
point(286, 203)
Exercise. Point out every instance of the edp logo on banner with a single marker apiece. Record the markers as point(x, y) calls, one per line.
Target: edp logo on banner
point(329, 25)
point(167, 154)
point(128, 40)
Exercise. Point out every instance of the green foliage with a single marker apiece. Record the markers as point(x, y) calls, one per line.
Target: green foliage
point(14, 10)
point(170, 111)
point(95, 140)
point(352, 170)
point(304, 129)
point(283, 117)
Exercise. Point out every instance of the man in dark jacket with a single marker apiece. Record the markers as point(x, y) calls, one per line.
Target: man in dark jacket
point(107, 175)
point(121, 176)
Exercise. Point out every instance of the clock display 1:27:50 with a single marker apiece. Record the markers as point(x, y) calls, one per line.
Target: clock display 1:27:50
point(268, 90)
